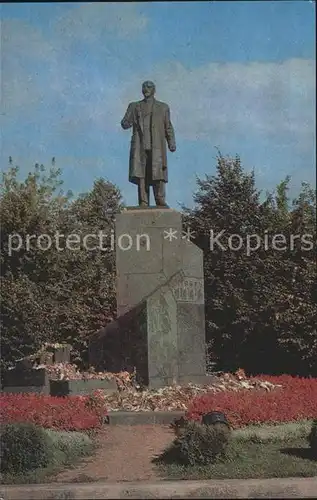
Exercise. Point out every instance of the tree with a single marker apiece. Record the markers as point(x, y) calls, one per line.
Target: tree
point(296, 319)
point(27, 208)
point(59, 292)
point(246, 291)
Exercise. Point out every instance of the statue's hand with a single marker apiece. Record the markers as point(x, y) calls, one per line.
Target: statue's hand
point(172, 149)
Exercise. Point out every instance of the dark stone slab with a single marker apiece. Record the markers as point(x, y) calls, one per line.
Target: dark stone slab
point(38, 389)
point(62, 354)
point(80, 387)
point(25, 378)
point(144, 417)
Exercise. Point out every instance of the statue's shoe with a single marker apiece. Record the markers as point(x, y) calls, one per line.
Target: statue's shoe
point(162, 205)
point(143, 204)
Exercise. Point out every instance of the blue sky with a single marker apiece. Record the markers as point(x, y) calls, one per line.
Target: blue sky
point(239, 76)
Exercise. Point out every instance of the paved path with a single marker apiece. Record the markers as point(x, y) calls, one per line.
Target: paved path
point(124, 454)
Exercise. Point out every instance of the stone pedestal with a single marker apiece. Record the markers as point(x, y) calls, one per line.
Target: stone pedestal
point(160, 301)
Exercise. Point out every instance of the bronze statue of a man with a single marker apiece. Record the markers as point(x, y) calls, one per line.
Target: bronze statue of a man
point(152, 128)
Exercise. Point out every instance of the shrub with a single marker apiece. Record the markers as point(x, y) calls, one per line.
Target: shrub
point(295, 400)
point(65, 449)
point(24, 447)
point(71, 413)
point(199, 444)
point(312, 439)
point(68, 446)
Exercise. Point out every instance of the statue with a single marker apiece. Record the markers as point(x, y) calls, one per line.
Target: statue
point(152, 128)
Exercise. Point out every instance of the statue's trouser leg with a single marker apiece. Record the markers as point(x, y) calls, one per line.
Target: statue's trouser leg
point(159, 192)
point(143, 192)
point(144, 183)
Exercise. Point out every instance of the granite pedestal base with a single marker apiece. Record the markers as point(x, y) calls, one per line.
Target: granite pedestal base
point(160, 329)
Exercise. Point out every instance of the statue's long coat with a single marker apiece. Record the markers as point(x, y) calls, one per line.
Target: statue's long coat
point(161, 130)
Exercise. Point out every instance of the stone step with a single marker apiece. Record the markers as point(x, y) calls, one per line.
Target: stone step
point(143, 417)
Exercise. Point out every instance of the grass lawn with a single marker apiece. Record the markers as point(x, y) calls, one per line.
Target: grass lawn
point(271, 451)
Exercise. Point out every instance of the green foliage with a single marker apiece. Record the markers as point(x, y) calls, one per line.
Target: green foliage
point(24, 447)
point(60, 294)
point(68, 446)
point(249, 460)
point(260, 305)
point(312, 439)
point(199, 444)
point(63, 449)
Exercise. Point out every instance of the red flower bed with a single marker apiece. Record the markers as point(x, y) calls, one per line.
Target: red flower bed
point(70, 413)
point(295, 400)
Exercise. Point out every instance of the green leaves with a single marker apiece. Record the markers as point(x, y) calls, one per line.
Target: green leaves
point(260, 305)
point(53, 292)
point(260, 308)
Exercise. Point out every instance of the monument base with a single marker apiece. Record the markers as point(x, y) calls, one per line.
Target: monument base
point(160, 329)
point(150, 207)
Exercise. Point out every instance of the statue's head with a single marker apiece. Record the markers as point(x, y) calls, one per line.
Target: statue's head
point(148, 89)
